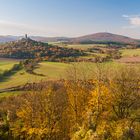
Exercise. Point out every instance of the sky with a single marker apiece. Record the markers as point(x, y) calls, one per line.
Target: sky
point(69, 18)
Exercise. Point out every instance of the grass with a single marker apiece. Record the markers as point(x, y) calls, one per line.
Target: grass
point(8, 94)
point(20, 78)
point(6, 64)
point(130, 52)
point(55, 71)
point(51, 70)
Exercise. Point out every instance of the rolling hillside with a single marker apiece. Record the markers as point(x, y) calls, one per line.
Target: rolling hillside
point(102, 37)
point(27, 48)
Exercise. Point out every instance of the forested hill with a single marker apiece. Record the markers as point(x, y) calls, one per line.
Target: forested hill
point(27, 48)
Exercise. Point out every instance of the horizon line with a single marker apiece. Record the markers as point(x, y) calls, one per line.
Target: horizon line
point(4, 35)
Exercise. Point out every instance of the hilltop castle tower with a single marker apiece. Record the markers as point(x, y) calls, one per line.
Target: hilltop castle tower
point(26, 37)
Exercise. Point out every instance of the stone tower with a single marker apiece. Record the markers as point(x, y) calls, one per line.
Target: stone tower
point(26, 37)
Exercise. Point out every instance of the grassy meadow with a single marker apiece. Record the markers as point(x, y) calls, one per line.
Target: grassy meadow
point(6, 64)
point(50, 71)
point(130, 52)
point(8, 94)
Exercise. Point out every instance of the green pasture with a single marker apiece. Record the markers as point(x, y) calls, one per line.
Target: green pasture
point(8, 94)
point(130, 52)
point(50, 71)
point(56, 71)
point(6, 64)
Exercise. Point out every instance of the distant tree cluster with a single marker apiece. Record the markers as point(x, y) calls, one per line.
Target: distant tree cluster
point(113, 43)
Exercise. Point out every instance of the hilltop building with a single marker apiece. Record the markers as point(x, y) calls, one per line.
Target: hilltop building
point(26, 37)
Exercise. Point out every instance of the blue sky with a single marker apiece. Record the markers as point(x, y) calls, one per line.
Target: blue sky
point(69, 17)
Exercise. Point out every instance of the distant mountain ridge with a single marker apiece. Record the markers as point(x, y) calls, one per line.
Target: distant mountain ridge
point(8, 38)
point(97, 37)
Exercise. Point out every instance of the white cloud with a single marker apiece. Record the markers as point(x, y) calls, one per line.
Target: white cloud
point(125, 16)
point(134, 21)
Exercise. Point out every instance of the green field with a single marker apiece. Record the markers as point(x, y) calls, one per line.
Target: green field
point(8, 94)
point(130, 52)
point(6, 64)
point(51, 71)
